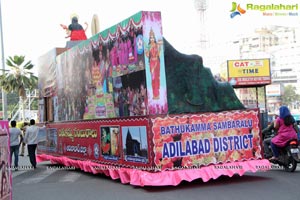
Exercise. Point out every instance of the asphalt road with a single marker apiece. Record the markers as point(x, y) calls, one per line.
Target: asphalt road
point(50, 182)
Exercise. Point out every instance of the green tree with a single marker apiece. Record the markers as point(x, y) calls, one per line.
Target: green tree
point(290, 96)
point(18, 78)
point(12, 103)
point(35, 104)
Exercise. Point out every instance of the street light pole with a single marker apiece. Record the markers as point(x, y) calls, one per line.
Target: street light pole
point(201, 7)
point(4, 97)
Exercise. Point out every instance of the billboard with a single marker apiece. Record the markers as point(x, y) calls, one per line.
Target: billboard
point(254, 72)
point(274, 90)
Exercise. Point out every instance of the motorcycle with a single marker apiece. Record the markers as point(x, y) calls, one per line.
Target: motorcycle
point(289, 156)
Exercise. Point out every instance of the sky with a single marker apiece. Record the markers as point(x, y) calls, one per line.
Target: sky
point(32, 27)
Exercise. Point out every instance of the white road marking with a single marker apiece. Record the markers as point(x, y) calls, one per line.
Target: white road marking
point(18, 173)
point(38, 177)
point(70, 177)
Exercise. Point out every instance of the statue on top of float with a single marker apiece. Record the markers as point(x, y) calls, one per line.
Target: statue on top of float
point(75, 30)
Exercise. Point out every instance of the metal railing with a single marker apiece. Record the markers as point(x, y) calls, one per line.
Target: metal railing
point(27, 103)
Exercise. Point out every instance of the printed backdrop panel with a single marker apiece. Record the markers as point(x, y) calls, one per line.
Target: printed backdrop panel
point(155, 63)
point(118, 72)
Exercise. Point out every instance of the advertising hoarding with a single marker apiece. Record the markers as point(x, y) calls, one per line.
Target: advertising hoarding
point(254, 72)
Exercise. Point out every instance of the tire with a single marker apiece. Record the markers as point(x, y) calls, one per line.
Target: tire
point(291, 165)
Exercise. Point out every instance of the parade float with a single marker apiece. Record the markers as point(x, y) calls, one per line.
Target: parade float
point(127, 104)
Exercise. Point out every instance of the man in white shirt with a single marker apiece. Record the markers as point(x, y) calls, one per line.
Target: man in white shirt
point(15, 134)
point(31, 139)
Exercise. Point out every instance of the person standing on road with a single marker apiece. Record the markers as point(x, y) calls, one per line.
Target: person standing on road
point(15, 133)
point(31, 139)
point(23, 129)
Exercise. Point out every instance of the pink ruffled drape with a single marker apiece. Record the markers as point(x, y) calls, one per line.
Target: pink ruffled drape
point(145, 178)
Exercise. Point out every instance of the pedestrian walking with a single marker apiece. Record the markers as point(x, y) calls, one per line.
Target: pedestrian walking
point(31, 139)
point(15, 134)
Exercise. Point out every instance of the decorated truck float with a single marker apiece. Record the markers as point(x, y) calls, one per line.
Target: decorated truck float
point(127, 104)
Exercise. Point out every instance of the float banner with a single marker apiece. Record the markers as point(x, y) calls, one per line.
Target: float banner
point(196, 140)
point(249, 72)
point(106, 141)
point(77, 140)
point(5, 172)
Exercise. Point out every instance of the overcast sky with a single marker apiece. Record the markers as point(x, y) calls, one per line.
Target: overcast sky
point(31, 27)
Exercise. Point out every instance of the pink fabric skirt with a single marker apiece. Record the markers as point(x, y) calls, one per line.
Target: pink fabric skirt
point(139, 177)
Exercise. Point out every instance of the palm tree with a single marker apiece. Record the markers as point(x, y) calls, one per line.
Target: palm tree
point(18, 78)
